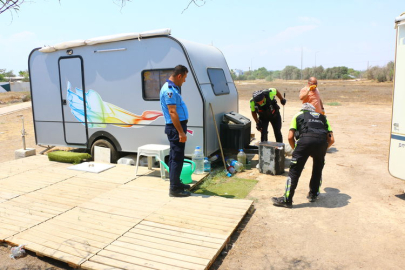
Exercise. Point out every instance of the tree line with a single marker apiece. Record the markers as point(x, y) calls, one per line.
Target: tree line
point(5, 74)
point(380, 74)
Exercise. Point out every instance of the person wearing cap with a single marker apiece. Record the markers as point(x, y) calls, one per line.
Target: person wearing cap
point(264, 104)
point(310, 94)
point(314, 136)
point(176, 117)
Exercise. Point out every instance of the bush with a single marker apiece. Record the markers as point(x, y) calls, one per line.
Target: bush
point(26, 98)
point(381, 76)
point(251, 78)
point(269, 78)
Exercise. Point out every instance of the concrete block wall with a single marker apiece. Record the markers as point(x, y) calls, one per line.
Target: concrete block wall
point(20, 87)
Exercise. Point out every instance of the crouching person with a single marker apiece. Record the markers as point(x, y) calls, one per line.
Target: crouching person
point(314, 136)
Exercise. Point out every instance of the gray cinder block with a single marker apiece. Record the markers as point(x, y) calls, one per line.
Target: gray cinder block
point(271, 158)
point(21, 153)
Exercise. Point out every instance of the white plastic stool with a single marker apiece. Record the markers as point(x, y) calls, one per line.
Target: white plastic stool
point(151, 150)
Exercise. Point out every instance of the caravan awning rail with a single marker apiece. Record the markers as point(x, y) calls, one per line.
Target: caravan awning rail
point(104, 39)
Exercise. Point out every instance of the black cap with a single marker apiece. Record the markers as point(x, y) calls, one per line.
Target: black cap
point(258, 96)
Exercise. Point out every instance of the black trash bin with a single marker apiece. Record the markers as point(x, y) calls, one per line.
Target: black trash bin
point(235, 131)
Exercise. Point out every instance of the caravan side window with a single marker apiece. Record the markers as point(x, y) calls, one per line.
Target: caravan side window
point(152, 82)
point(218, 81)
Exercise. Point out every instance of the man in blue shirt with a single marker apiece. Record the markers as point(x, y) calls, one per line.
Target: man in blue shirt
point(176, 118)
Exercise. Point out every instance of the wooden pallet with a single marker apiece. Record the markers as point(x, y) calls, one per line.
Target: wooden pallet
point(182, 233)
point(113, 220)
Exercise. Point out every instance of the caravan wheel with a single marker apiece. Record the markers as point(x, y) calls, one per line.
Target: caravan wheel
point(106, 144)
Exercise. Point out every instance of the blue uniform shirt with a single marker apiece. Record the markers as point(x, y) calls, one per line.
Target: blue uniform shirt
point(169, 95)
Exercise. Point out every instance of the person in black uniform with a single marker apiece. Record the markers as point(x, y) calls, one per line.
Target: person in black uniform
point(314, 136)
point(264, 104)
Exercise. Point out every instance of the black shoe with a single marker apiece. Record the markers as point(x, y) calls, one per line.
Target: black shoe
point(311, 197)
point(185, 187)
point(179, 193)
point(279, 201)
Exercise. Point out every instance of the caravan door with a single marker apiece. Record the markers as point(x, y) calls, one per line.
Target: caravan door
point(397, 144)
point(73, 99)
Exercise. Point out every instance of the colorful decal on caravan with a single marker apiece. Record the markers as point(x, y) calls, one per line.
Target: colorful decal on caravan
point(101, 113)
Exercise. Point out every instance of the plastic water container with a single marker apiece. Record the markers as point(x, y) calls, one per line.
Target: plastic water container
point(214, 158)
point(236, 164)
point(18, 252)
point(231, 169)
point(198, 158)
point(241, 157)
point(207, 165)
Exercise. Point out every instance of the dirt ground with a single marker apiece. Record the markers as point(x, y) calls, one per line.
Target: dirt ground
point(356, 223)
point(358, 220)
point(10, 98)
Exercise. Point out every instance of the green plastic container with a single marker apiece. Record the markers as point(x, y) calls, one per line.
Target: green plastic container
point(186, 172)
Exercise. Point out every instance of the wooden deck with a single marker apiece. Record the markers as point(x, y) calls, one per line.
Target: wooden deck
point(111, 220)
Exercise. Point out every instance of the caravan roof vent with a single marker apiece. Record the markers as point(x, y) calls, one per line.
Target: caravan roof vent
point(105, 39)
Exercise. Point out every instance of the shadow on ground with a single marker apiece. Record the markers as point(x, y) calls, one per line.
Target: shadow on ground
point(206, 194)
point(401, 196)
point(331, 199)
point(332, 150)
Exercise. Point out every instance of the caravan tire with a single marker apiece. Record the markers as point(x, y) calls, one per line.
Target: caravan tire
point(106, 144)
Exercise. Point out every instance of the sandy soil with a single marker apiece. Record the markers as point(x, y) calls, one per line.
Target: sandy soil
point(358, 220)
point(356, 223)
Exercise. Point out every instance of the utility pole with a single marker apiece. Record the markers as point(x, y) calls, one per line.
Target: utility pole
point(301, 61)
point(315, 62)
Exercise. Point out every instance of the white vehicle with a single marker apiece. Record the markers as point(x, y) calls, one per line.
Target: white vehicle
point(105, 91)
point(397, 144)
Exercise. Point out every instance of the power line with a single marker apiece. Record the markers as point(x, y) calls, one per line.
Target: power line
point(345, 63)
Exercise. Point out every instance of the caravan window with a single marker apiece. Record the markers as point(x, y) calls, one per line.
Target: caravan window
point(218, 81)
point(152, 82)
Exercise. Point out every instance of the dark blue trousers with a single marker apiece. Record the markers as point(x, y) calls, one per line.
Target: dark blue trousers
point(176, 156)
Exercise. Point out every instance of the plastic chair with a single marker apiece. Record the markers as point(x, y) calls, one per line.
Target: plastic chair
point(152, 150)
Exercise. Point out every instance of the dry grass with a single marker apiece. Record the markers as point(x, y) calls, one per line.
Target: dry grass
point(12, 98)
point(331, 91)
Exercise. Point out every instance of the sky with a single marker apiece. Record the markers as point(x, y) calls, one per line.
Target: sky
point(251, 34)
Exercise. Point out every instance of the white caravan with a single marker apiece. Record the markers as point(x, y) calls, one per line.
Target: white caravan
point(105, 91)
point(397, 144)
